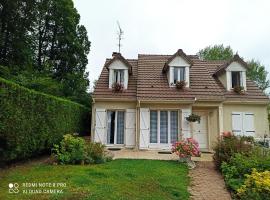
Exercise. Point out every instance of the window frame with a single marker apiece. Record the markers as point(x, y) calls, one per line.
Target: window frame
point(168, 126)
point(115, 127)
point(117, 76)
point(178, 69)
point(240, 79)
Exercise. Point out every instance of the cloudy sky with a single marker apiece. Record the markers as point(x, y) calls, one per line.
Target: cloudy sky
point(163, 26)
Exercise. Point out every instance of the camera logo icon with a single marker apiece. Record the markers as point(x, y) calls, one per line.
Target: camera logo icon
point(13, 188)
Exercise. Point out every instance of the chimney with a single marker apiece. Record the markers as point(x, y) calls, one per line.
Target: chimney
point(115, 54)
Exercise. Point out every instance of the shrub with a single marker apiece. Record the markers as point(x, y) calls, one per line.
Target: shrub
point(228, 146)
point(32, 122)
point(74, 150)
point(70, 150)
point(239, 165)
point(256, 186)
point(95, 153)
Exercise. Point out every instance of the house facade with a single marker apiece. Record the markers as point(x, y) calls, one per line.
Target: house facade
point(137, 104)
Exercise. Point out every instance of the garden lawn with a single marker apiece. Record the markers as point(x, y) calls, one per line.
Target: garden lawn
point(118, 179)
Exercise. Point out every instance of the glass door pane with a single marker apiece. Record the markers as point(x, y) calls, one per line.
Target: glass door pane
point(153, 126)
point(174, 126)
point(110, 127)
point(120, 127)
point(163, 127)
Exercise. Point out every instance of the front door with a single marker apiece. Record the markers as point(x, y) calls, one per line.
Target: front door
point(200, 130)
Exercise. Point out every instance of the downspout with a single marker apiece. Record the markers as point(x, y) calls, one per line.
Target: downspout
point(137, 124)
point(93, 111)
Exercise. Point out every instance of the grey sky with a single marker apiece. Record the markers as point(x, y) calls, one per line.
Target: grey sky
point(162, 27)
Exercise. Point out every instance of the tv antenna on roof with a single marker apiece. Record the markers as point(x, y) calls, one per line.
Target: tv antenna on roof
point(120, 36)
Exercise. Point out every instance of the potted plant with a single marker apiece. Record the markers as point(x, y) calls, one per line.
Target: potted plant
point(185, 149)
point(180, 84)
point(238, 89)
point(193, 118)
point(118, 87)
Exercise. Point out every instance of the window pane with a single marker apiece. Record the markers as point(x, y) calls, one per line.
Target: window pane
point(182, 73)
point(235, 79)
point(174, 126)
point(110, 125)
point(121, 76)
point(120, 127)
point(115, 76)
point(153, 126)
point(163, 127)
point(175, 75)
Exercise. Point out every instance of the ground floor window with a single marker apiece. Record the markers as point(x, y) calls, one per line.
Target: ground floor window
point(243, 123)
point(115, 127)
point(163, 126)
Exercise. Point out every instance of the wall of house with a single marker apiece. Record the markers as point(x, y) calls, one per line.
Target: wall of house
point(109, 105)
point(222, 78)
point(260, 117)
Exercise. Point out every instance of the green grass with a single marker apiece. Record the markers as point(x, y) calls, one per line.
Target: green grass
point(119, 179)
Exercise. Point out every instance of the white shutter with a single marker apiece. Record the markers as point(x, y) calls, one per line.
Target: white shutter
point(248, 124)
point(111, 74)
point(185, 124)
point(187, 75)
point(100, 126)
point(125, 78)
point(229, 80)
point(130, 127)
point(144, 128)
point(171, 74)
point(244, 80)
point(237, 123)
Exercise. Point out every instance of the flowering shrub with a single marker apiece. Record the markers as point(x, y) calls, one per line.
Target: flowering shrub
point(118, 87)
point(186, 148)
point(228, 145)
point(180, 84)
point(256, 186)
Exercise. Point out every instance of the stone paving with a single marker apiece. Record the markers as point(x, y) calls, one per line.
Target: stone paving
point(154, 155)
point(207, 183)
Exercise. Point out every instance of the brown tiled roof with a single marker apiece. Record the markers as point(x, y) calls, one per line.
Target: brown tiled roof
point(148, 82)
point(236, 58)
point(180, 53)
point(118, 56)
point(102, 89)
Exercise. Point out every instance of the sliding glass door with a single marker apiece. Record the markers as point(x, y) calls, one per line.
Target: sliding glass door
point(163, 127)
point(115, 127)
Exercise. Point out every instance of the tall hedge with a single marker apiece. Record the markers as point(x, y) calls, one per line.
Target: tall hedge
point(31, 122)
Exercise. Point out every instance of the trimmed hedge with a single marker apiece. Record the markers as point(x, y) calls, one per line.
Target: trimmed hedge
point(32, 122)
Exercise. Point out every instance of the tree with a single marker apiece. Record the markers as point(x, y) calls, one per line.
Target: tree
point(256, 72)
point(216, 52)
point(42, 43)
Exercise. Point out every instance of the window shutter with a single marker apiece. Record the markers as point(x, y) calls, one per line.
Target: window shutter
point(144, 128)
point(248, 124)
point(187, 76)
point(100, 126)
point(237, 123)
point(130, 124)
point(185, 124)
point(171, 75)
point(111, 77)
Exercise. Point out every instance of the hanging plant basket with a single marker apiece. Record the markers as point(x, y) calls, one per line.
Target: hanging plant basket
point(238, 89)
point(193, 118)
point(180, 84)
point(118, 87)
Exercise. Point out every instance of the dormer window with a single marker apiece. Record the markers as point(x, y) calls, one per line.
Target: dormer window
point(118, 76)
point(179, 74)
point(236, 79)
